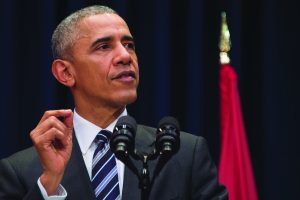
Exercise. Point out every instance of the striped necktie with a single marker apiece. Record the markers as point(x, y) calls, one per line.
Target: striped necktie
point(104, 169)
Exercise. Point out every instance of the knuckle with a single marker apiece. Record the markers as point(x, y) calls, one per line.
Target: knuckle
point(52, 119)
point(47, 113)
point(32, 132)
point(53, 130)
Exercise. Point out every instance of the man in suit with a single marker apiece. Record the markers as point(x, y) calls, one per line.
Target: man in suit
point(94, 55)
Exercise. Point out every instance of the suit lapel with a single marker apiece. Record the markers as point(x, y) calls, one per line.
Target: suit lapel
point(76, 179)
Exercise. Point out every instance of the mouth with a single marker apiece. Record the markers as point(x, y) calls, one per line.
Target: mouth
point(125, 76)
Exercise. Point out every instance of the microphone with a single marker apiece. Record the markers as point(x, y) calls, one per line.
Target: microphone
point(122, 141)
point(167, 138)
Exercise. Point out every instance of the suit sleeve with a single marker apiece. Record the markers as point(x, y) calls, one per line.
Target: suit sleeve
point(205, 183)
point(13, 186)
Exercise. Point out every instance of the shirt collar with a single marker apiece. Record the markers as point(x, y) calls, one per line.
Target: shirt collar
point(86, 131)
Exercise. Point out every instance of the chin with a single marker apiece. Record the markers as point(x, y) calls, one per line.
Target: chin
point(123, 96)
point(127, 99)
point(130, 100)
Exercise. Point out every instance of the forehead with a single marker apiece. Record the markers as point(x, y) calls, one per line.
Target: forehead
point(102, 24)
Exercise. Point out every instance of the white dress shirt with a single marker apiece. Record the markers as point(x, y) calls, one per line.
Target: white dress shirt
point(86, 132)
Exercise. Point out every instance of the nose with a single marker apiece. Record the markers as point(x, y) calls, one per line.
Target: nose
point(122, 57)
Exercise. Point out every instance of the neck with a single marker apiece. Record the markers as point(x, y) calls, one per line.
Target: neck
point(101, 116)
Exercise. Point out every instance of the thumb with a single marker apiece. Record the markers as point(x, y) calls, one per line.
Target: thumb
point(68, 121)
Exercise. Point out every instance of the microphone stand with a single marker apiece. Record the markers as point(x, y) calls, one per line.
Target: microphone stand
point(143, 174)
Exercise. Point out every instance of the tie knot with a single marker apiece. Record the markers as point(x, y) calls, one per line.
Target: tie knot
point(103, 136)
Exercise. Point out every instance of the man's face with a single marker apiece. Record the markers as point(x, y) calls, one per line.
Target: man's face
point(105, 63)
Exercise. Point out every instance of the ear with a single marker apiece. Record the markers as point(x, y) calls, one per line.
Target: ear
point(62, 71)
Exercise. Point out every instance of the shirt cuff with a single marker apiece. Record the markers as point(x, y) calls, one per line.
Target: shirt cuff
point(60, 193)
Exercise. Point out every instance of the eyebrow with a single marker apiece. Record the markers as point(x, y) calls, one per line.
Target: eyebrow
point(100, 40)
point(109, 38)
point(128, 38)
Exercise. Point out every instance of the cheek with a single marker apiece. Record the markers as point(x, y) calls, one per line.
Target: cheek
point(91, 77)
point(95, 69)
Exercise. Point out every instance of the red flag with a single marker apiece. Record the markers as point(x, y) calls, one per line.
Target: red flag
point(235, 168)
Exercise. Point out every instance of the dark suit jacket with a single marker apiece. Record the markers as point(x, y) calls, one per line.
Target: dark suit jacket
point(189, 174)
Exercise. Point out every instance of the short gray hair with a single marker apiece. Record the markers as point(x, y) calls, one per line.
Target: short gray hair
point(64, 36)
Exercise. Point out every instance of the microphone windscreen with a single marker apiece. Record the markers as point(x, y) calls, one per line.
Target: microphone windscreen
point(127, 120)
point(168, 120)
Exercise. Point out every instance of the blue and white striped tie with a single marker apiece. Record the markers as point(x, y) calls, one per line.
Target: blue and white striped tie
point(104, 169)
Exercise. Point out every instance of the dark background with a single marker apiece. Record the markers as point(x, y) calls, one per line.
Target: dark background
point(177, 46)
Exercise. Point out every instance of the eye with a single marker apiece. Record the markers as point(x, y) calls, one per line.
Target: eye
point(129, 45)
point(102, 47)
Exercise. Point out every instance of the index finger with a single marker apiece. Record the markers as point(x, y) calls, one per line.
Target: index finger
point(65, 114)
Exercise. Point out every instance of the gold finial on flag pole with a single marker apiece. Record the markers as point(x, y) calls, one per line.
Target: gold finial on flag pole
point(225, 42)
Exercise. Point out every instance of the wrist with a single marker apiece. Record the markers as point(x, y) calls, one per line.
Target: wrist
point(50, 182)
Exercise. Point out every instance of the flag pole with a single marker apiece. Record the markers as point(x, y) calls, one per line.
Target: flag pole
point(225, 43)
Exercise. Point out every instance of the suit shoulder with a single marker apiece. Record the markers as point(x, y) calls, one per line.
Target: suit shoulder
point(27, 153)
point(23, 160)
point(191, 139)
point(190, 143)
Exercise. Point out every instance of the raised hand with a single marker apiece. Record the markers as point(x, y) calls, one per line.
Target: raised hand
point(52, 139)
